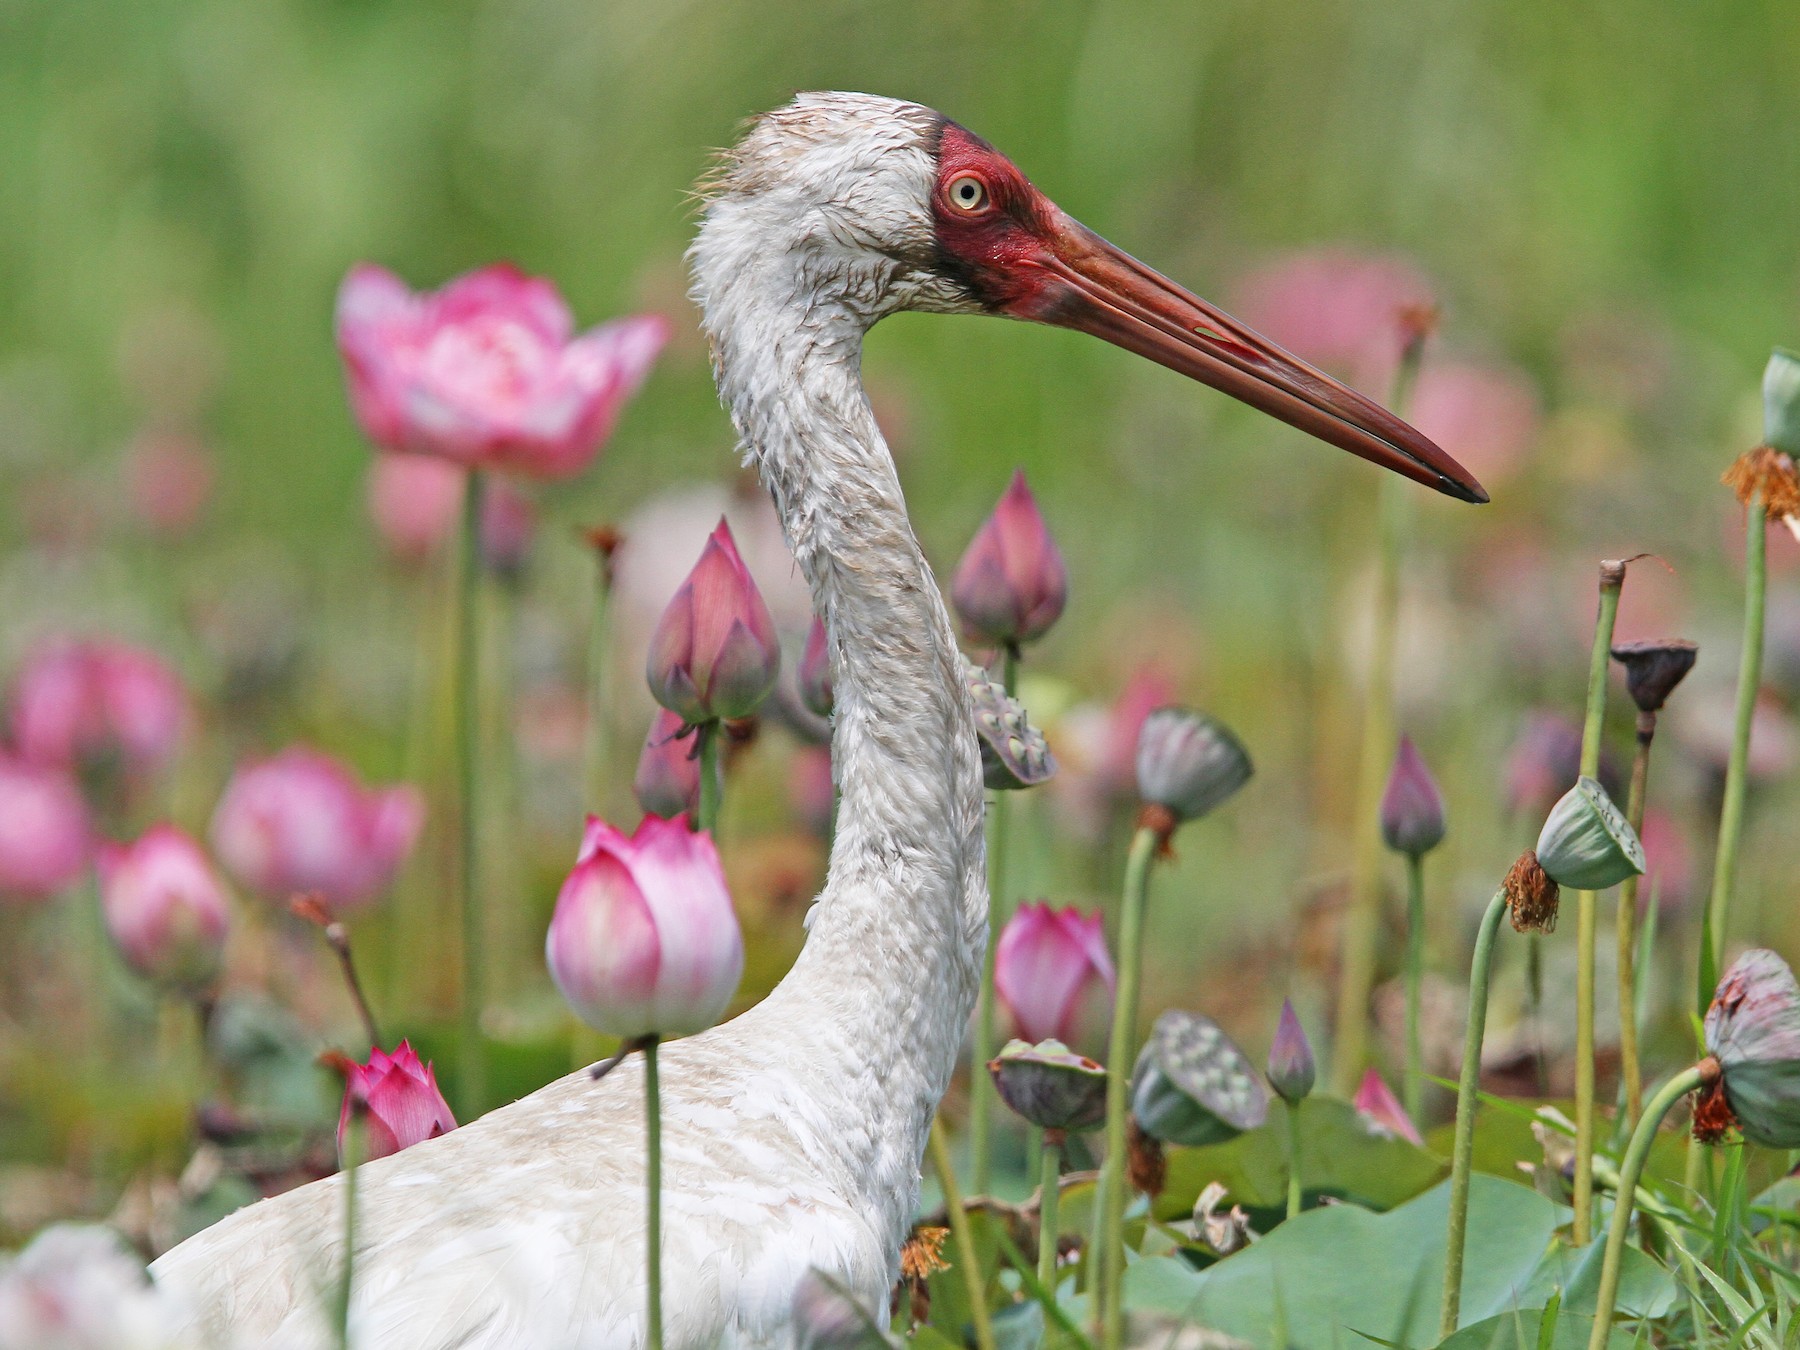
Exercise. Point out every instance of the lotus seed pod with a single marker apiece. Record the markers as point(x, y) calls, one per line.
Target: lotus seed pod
point(1188, 763)
point(1753, 1030)
point(1193, 1086)
point(1781, 401)
point(1653, 669)
point(1291, 1065)
point(1014, 754)
point(1050, 1086)
point(1587, 843)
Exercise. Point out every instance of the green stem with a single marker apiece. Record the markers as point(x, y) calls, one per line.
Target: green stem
point(1463, 1152)
point(600, 700)
point(1120, 1052)
point(1612, 582)
point(472, 1078)
point(712, 782)
point(1629, 1069)
point(1637, 1152)
point(353, 1151)
point(1414, 1087)
point(981, 1086)
point(653, 1194)
point(1293, 1141)
point(1731, 812)
point(962, 1235)
point(1049, 1200)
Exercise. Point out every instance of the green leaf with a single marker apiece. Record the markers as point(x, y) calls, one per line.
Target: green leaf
point(1019, 1326)
point(1531, 1328)
point(1646, 1288)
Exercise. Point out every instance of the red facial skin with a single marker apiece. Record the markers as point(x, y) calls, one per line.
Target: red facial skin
point(995, 249)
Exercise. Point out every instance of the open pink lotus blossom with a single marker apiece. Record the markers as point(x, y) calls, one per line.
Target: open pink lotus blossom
point(94, 702)
point(1011, 584)
point(715, 654)
point(1487, 417)
point(402, 1103)
point(1375, 1102)
point(44, 831)
point(488, 371)
point(1338, 308)
point(644, 940)
point(165, 908)
point(1055, 977)
point(301, 822)
point(414, 501)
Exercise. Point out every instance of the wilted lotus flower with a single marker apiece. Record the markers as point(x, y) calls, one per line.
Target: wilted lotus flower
point(1054, 976)
point(1014, 754)
point(815, 671)
point(1653, 669)
point(1532, 897)
point(402, 1104)
point(1781, 401)
point(165, 908)
point(44, 831)
point(1587, 843)
point(301, 822)
point(1412, 810)
point(1011, 584)
point(1291, 1066)
point(1375, 1102)
point(1753, 1030)
point(714, 653)
point(91, 704)
point(644, 940)
point(487, 372)
point(414, 501)
point(1050, 1086)
point(1193, 1086)
point(1188, 763)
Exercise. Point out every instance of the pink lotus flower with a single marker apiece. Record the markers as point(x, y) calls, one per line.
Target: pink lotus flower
point(402, 1103)
point(1337, 308)
point(486, 372)
point(44, 831)
point(414, 501)
point(1011, 584)
point(301, 822)
point(165, 908)
point(1375, 1102)
point(168, 481)
point(1487, 418)
point(1412, 809)
point(668, 771)
point(714, 654)
point(644, 940)
point(1054, 976)
point(81, 704)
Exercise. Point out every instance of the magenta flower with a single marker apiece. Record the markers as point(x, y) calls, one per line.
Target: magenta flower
point(165, 908)
point(668, 771)
point(714, 653)
point(1291, 1064)
point(1338, 308)
point(1148, 689)
point(91, 703)
point(1375, 1102)
point(401, 1101)
point(302, 823)
point(44, 831)
point(1412, 809)
point(487, 372)
point(1055, 977)
point(1011, 584)
point(644, 940)
point(414, 501)
point(1487, 418)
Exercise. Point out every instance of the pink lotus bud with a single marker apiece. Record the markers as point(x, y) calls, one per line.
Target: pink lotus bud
point(44, 832)
point(414, 501)
point(815, 671)
point(811, 790)
point(714, 653)
point(302, 822)
point(401, 1104)
point(1054, 976)
point(508, 527)
point(1011, 584)
point(168, 480)
point(95, 703)
point(1375, 1102)
point(165, 908)
point(644, 940)
point(1412, 811)
point(487, 372)
point(1291, 1066)
point(668, 771)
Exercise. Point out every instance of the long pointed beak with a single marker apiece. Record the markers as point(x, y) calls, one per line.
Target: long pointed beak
point(1099, 289)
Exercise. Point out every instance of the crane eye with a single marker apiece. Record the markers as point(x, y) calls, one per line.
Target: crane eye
point(967, 193)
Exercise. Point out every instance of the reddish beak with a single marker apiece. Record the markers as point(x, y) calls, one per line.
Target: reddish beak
point(1098, 289)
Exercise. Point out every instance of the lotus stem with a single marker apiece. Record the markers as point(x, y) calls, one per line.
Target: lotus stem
point(712, 783)
point(653, 1196)
point(981, 1087)
point(600, 702)
point(353, 1152)
point(1629, 1069)
point(472, 1075)
point(1637, 1152)
point(1293, 1141)
point(1049, 1201)
point(962, 1235)
point(1463, 1153)
point(1731, 811)
point(1612, 582)
point(1121, 1050)
point(1414, 1087)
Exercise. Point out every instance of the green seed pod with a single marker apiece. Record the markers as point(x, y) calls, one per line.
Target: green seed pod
point(1050, 1086)
point(1014, 754)
point(1781, 401)
point(1193, 1086)
point(1587, 844)
point(1753, 1030)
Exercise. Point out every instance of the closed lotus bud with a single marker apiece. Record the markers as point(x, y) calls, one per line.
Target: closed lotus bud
point(399, 1103)
point(1050, 1086)
point(1291, 1066)
point(1054, 976)
point(165, 908)
point(1753, 1030)
point(508, 528)
point(1014, 754)
point(1653, 669)
point(1781, 401)
point(45, 835)
point(714, 654)
point(1412, 811)
point(815, 672)
point(1376, 1103)
point(1188, 763)
point(668, 771)
point(1193, 1086)
point(1587, 843)
point(644, 940)
point(1011, 584)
